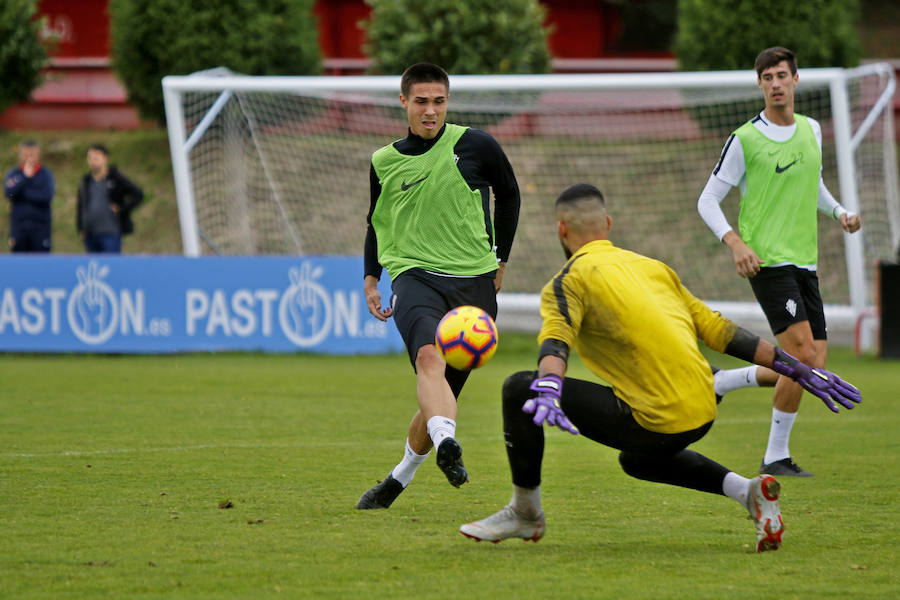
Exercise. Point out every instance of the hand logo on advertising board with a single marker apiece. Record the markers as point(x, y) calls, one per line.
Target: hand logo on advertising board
point(93, 310)
point(305, 308)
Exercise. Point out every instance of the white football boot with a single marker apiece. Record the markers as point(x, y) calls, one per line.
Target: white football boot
point(505, 523)
point(762, 502)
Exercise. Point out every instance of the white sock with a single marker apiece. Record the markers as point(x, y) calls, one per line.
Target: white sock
point(734, 379)
point(406, 470)
point(736, 487)
point(779, 436)
point(440, 428)
point(526, 501)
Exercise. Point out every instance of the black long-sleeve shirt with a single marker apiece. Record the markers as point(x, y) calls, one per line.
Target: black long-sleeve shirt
point(483, 165)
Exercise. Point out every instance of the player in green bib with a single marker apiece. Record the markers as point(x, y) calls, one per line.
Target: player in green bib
point(776, 161)
point(430, 227)
point(436, 222)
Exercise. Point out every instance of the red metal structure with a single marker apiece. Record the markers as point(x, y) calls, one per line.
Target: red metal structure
point(81, 91)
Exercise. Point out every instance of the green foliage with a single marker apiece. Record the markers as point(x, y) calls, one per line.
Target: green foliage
point(21, 53)
point(464, 37)
point(714, 35)
point(155, 38)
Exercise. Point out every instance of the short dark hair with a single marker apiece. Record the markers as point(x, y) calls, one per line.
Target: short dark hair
point(423, 73)
point(99, 148)
point(578, 191)
point(770, 57)
point(29, 143)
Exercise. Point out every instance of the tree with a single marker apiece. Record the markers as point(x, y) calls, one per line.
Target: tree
point(716, 35)
point(155, 38)
point(22, 55)
point(464, 36)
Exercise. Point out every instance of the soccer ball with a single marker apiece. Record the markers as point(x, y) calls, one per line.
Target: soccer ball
point(466, 337)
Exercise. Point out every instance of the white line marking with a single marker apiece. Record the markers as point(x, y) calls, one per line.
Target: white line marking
point(251, 446)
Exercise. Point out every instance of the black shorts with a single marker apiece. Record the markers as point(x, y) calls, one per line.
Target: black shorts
point(600, 415)
point(789, 295)
point(421, 299)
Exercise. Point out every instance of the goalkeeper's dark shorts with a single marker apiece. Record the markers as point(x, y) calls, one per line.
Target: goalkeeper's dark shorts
point(602, 417)
point(789, 295)
point(421, 299)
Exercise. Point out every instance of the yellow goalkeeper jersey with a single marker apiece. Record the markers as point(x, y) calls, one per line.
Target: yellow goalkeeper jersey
point(636, 326)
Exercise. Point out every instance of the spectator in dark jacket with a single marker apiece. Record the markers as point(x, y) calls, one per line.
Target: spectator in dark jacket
point(30, 188)
point(105, 201)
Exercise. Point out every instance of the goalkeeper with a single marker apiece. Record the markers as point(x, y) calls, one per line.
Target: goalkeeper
point(430, 226)
point(776, 161)
point(636, 326)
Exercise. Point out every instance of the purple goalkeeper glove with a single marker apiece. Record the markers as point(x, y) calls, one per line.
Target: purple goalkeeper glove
point(545, 407)
point(819, 382)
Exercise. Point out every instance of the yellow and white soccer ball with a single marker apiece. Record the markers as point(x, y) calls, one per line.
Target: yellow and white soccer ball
point(466, 337)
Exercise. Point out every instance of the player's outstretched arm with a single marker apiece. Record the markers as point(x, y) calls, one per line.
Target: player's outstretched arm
point(824, 384)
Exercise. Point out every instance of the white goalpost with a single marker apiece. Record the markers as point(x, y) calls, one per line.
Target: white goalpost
point(279, 165)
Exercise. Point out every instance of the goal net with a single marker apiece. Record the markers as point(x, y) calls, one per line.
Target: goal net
point(280, 165)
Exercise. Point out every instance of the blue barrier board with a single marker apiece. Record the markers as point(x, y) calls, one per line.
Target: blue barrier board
point(158, 304)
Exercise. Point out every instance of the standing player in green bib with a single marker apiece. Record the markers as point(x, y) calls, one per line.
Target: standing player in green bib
point(430, 227)
point(776, 161)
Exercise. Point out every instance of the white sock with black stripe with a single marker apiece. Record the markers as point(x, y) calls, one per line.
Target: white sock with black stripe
point(440, 428)
point(406, 470)
point(728, 380)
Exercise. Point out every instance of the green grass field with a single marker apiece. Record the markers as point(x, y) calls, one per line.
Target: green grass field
point(236, 476)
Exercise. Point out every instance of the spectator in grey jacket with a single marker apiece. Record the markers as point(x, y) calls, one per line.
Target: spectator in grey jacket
point(105, 201)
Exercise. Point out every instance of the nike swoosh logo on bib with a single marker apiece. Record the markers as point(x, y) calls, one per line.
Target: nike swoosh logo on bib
point(780, 169)
point(405, 186)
